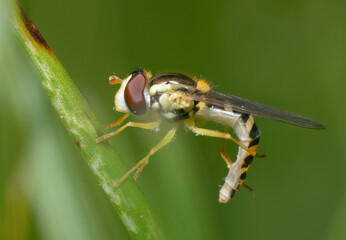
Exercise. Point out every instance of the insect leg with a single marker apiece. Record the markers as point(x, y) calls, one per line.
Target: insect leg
point(190, 124)
point(118, 122)
point(148, 126)
point(223, 153)
point(248, 188)
point(143, 162)
point(167, 138)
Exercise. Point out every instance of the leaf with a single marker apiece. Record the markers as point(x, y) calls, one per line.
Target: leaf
point(83, 126)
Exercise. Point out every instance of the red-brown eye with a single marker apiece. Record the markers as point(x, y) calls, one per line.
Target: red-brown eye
point(134, 94)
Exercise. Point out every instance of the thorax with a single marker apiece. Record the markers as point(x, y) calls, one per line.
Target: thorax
point(169, 97)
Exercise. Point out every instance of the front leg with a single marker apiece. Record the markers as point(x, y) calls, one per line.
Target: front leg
point(151, 125)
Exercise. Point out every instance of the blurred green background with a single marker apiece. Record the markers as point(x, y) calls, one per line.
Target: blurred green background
point(288, 54)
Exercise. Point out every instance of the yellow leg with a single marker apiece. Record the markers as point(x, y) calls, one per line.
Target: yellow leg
point(151, 125)
point(118, 122)
point(143, 162)
point(190, 124)
point(224, 154)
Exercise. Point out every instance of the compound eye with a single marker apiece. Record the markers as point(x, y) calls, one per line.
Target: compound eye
point(134, 94)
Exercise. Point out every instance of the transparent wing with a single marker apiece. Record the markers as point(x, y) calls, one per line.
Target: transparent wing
point(242, 105)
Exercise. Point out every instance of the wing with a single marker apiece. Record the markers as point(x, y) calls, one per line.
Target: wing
point(242, 105)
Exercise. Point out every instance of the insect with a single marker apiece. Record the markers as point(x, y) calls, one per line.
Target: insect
point(179, 99)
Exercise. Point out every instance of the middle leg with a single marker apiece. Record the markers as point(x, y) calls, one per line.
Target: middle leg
point(143, 162)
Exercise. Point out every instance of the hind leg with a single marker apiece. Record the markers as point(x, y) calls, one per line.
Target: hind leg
point(190, 124)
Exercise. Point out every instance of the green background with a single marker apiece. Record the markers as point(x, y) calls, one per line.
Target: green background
point(288, 54)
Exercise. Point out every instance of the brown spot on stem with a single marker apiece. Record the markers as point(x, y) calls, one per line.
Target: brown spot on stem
point(77, 143)
point(33, 31)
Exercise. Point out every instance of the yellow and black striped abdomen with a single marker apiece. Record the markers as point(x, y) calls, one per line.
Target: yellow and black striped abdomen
point(249, 135)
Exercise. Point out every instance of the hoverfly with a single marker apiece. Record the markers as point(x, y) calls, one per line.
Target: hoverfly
point(177, 98)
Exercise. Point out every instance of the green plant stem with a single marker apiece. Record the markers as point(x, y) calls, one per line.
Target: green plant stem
point(83, 126)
